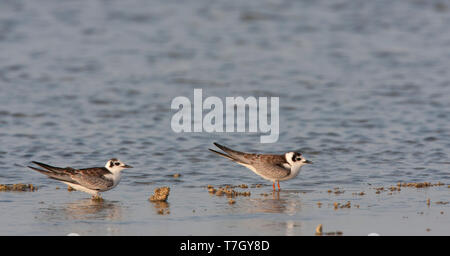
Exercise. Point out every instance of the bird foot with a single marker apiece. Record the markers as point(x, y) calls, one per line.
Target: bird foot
point(97, 198)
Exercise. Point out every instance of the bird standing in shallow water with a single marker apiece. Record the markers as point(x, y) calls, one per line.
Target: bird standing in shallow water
point(90, 180)
point(275, 168)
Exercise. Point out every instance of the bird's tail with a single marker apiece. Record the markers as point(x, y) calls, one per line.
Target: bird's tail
point(52, 172)
point(222, 154)
point(233, 155)
point(47, 167)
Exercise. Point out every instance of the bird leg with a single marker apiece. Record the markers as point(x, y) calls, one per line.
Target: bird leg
point(273, 185)
point(278, 182)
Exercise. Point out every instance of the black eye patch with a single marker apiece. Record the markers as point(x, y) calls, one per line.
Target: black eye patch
point(117, 163)
point(296, 157)
point(111, 164)
point(293, 158)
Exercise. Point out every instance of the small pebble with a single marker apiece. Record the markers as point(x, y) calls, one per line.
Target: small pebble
point(336, 205)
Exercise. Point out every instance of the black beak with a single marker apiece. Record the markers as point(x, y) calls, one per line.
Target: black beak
point(308, 162)
point(127, 166)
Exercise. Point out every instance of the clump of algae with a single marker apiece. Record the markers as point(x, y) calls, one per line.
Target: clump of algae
point(160, 194)
point(18, 187)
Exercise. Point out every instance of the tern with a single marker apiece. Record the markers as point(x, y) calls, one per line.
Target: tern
point(90, 180)
point(275, 168)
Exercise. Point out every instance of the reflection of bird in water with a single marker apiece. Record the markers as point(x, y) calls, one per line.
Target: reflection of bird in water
point(87, 209)
point(273, 203)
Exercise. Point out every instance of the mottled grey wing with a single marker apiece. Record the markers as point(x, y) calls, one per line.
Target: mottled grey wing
point(93, 178)
point(274, 171)
point(234, 155)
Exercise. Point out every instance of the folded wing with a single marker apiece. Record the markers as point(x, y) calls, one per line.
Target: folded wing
point(270, 166)
point(92, 178)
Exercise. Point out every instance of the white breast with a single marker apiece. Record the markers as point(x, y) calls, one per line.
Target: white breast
point(295, 170)
point(115, 176)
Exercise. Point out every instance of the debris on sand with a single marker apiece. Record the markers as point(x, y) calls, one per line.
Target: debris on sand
point(212, 190)
point(337, 233)
point(176, 175)
point(393, 188)
point(419, 184)
point(337, 191)
point(70, 189)
point(347, 205)
point(228, 191)
point(160, 194)
point(336, 205)
point(319, 230)
point(231, 201)
point(18, 187)
point(247, 193)
point(379, 190)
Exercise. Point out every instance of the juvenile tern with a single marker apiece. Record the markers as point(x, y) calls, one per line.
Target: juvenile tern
point(90, 180)
point(275, 168)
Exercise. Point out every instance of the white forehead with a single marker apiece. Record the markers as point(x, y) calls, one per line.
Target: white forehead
point(289, 156)
point(111, 162)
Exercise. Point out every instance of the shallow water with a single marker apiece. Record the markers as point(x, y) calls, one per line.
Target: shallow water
point(364, 93)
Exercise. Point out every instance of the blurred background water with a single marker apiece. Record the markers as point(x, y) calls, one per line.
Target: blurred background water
point(364, 93)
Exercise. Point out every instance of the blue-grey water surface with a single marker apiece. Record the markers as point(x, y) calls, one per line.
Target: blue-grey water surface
point(364, 93)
